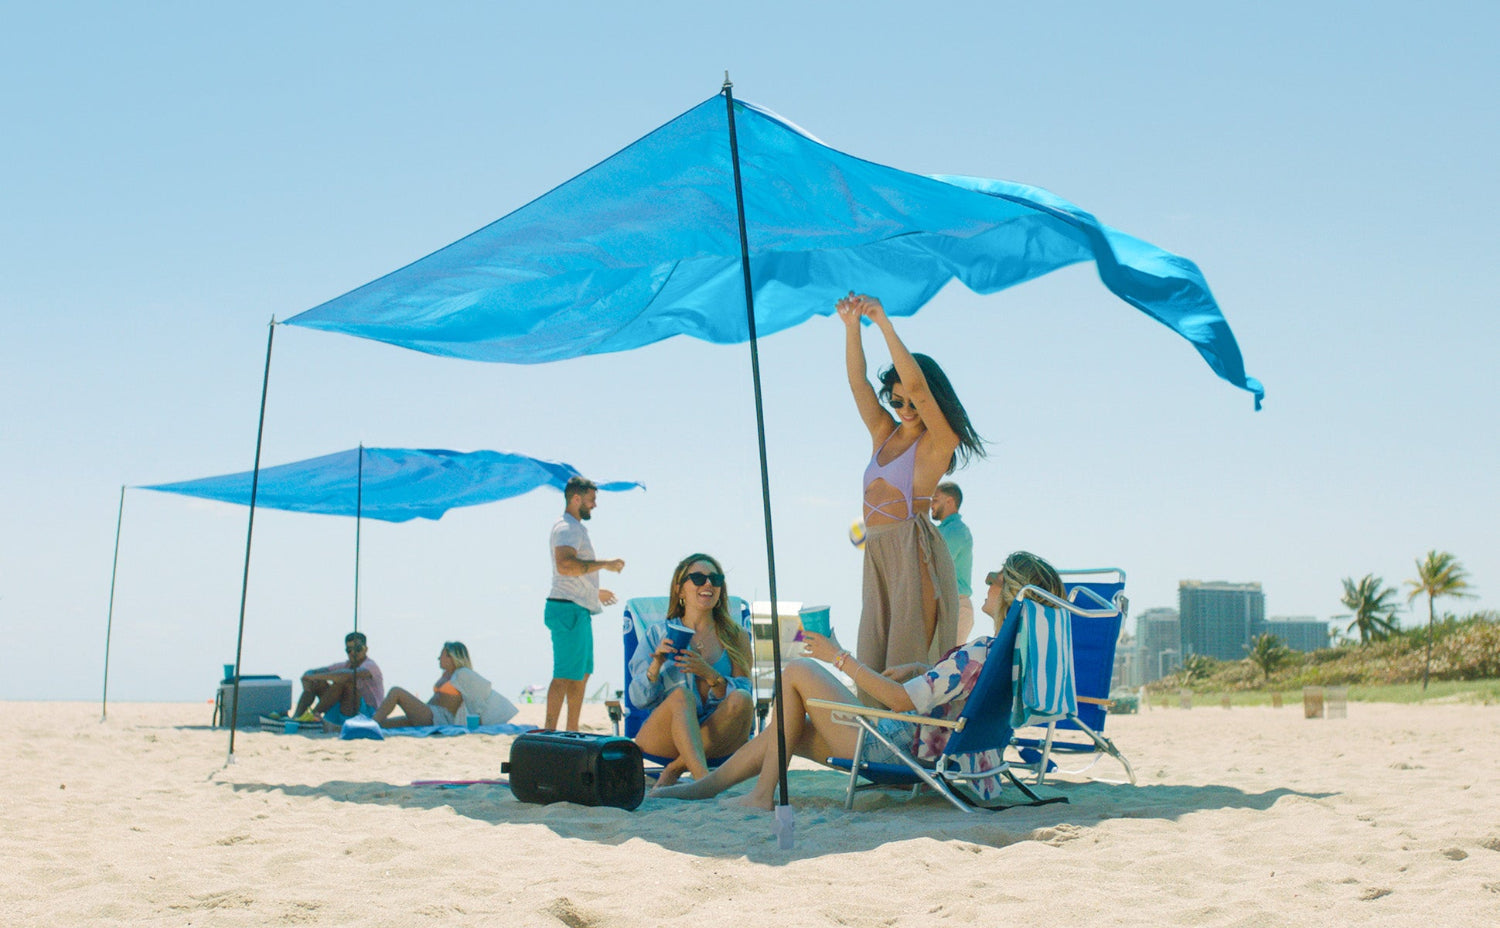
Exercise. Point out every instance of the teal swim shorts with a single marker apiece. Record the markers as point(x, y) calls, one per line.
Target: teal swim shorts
point(572, 639)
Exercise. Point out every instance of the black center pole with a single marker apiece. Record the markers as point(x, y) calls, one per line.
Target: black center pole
point(109, 622)
point(783, 811)
point(359, 505)
point(239, 642)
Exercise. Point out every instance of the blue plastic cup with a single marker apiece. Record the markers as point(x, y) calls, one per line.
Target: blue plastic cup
point(815, 619)
point(228, 672)
point(679, 635)
point(472, 721)
point(290, 727)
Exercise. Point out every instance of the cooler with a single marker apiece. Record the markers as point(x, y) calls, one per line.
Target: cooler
point(259, 695)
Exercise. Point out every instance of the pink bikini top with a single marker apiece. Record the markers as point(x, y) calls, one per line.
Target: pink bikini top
point(900, 473)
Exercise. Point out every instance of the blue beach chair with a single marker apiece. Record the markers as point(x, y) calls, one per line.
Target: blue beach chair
point(1098, 607)
point(640, 612)
point(984, 725)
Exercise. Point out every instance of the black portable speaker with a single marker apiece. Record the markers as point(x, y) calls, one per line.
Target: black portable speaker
point(573, 766)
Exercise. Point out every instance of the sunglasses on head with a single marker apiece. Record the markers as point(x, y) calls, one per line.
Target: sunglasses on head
point(699, 578)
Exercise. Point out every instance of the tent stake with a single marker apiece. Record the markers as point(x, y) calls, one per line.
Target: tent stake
point(783, 813)
point(109, 622)
point(239, 642)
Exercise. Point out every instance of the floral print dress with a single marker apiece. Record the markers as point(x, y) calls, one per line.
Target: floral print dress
point(941, 694)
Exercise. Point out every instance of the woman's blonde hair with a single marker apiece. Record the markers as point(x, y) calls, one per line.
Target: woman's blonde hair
point(731, 635)
point(1023, 569)
point(459, 653)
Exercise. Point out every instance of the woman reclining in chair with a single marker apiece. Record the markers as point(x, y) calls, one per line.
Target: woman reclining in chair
point(938, 692)
point(699, 696)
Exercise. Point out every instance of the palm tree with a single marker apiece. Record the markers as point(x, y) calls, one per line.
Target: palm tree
point(1439, 575)
point(1267, 652)
point(1373, 613)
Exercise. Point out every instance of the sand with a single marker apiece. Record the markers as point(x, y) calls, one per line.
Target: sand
point(1242, 817)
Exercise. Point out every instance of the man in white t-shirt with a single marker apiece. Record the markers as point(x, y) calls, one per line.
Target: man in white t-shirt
point(574, 601)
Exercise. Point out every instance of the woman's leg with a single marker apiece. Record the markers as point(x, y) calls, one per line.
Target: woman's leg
point(417, 712)
point(728, 728)
point(671, 730)
point(800, 680)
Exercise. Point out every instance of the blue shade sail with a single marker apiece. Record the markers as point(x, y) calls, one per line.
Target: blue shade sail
point(398, 484)
point(645, 245)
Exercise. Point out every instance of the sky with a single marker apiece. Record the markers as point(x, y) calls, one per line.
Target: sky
point(175, 175)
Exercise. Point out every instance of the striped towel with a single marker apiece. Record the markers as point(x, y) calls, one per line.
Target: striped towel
point(1043, 666)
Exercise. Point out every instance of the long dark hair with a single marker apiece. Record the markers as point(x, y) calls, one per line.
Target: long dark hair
point(970, 445)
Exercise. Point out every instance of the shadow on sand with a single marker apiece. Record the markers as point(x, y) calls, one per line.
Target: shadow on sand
point(720, 829)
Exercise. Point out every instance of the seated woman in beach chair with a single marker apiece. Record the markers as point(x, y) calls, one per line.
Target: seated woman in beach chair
point(699, 696)
point(459, 692)
point(938, 692)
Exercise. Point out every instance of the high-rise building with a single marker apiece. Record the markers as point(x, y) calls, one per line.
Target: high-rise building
point(1219, 619)
point(1158, 645)
point(1298, 632)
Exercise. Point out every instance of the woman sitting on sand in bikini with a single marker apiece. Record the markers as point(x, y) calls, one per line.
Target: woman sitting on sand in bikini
point(938, 692)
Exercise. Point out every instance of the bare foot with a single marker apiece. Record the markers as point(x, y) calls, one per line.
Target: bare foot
point(692, 789)
point(670, 773)
point(751, 801)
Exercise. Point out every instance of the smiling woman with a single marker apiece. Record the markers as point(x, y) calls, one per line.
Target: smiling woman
point(698, 689)
point(910, 610)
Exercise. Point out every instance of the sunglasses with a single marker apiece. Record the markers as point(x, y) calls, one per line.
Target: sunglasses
point(993, 577)
point(353, 648)
point(901, 404)
point(699, 578)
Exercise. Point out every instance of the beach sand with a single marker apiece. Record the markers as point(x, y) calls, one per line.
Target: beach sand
point(1243, 817)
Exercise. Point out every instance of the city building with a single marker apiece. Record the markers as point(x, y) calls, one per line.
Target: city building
point(1219, 619)
point(1298, 632)
point(1158, 646)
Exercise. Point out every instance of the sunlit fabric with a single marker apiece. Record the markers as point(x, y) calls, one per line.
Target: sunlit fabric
point(397, 484)
point(645, 245)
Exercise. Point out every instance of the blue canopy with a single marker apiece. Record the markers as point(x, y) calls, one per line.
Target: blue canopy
point(396, 484)
point(645, 245)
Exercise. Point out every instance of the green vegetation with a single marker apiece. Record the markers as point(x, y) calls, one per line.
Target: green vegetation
point(1268, 652)
point(1465, 664)
point(1439, 575)
point(1374, 613)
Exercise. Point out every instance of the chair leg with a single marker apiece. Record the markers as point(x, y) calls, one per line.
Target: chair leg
point(854, 764)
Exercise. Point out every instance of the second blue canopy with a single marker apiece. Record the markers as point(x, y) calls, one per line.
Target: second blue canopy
point(393, 484)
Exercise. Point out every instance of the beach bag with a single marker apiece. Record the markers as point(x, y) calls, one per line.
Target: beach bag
point(575, 766)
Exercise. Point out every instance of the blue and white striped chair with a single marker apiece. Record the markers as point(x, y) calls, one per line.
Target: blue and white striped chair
point(1064, 690)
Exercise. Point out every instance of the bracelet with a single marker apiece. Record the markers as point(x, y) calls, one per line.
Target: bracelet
point(838, 662)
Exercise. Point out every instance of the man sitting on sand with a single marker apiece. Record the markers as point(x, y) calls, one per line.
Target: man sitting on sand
point(343, 690)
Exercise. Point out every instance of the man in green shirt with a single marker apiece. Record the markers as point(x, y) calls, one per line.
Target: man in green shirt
point(945, 502)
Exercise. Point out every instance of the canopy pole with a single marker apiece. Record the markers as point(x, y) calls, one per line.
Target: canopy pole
point(109, 621)
point(359, 505)
point(239, 643)
point(784, 822)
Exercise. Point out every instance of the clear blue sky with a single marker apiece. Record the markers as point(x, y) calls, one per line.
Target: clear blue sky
point(172, 175)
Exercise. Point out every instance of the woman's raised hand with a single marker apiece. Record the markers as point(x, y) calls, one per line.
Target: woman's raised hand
point(824, 649)
point(849, 309)
point(872, 308)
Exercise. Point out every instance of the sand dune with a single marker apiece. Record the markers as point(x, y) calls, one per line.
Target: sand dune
point(1242, 817)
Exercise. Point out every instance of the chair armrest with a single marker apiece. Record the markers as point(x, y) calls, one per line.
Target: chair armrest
point(872, 713)
point(1106, 703)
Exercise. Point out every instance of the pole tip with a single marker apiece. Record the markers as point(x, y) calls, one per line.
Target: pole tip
point(728, 84)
